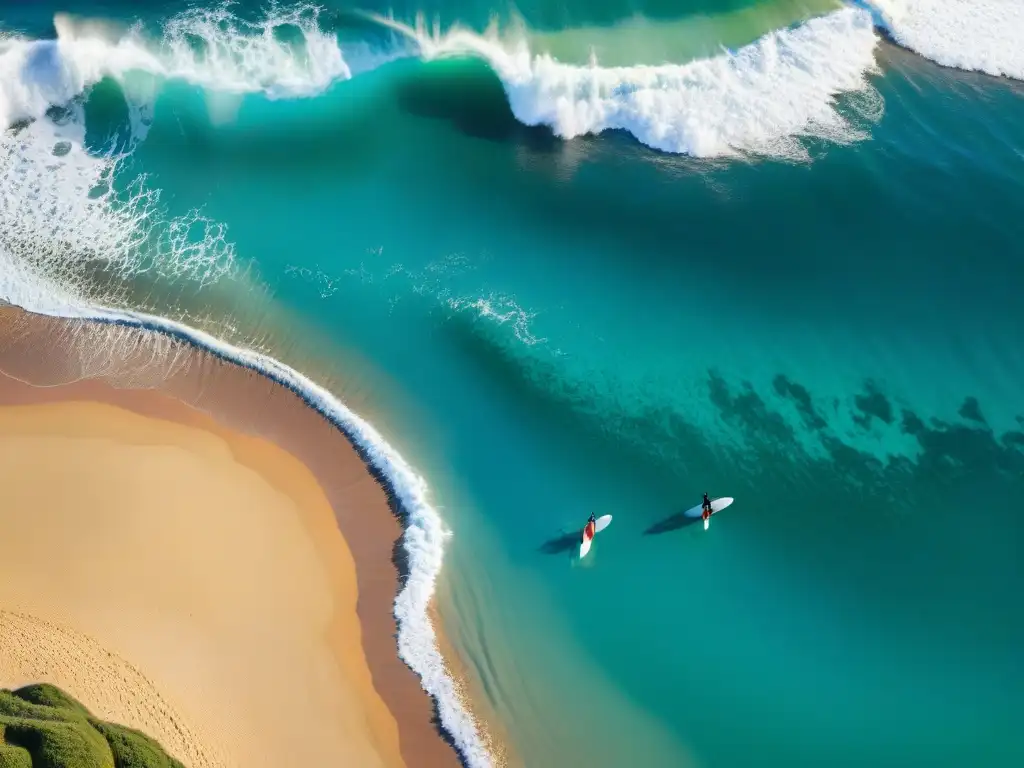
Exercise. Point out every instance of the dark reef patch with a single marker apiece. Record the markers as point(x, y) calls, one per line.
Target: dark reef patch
point(639, 424)
point(798, 393)
point(749, 410)
point(971, 410)
point(872, 404)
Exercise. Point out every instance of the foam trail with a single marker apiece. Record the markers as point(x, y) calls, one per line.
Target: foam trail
point(982, 35)
point(761, 99)
point(501, 310)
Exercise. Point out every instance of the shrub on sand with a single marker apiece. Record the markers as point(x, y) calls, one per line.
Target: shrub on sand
point(43, 727)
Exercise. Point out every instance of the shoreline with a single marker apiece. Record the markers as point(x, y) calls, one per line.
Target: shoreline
point(203, 375)
point(492, 733)
point(201, 556)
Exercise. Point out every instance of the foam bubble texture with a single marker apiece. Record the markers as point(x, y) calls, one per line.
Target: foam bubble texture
point(61, 220)
point(982, 35)
point(285, 54)
point(500, 310)
point(253, 56)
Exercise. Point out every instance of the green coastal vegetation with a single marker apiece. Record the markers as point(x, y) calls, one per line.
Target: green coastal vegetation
point(43, 727)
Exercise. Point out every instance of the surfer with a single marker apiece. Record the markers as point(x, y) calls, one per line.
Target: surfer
point(705, 508)
point(590, 529)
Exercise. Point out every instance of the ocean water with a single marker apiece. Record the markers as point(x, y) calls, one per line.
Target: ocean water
point(576, 257)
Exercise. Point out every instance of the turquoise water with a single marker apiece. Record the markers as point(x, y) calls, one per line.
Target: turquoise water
point(559, 285)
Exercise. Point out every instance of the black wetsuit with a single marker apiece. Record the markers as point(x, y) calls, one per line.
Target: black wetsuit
point(706, 504)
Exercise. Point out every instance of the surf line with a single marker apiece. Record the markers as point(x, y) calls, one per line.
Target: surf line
point(424, 534)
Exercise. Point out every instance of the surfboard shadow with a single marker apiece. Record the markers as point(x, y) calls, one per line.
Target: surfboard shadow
point(560, 544)
point(673, 523)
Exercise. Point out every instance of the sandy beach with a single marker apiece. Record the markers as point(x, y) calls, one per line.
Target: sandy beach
point(190, 550)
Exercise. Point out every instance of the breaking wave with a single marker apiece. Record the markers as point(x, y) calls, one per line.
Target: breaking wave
point(760, 99)
point(286, 54)
point(982, 35)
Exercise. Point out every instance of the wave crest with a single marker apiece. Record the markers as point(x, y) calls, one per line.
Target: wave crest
point(982, 35)
point(284, 54)
point(760, 99)
point(764, 98)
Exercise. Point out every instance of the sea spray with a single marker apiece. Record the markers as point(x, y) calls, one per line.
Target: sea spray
point(211, 48)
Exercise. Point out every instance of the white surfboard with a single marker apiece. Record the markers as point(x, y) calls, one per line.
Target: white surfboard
point(599, 525)
point(717, 505)
point(585, 547)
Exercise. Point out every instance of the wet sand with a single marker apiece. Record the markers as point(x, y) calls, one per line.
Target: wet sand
point(244, 591)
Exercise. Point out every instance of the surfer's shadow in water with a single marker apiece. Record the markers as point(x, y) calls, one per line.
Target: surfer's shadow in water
point(673, 523)
point(565, 542)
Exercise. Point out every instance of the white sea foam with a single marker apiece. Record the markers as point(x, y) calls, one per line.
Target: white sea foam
point(211, 48)
point(500, 310)
point(982, 35)
point(60, 219)
point(761, 99)
point(244, 56)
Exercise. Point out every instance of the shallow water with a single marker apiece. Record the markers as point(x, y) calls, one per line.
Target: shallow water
point(548, 326)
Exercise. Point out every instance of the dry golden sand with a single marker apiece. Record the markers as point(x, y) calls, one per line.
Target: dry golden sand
point(32, 649)
point(148, 536)
point(200, 547)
